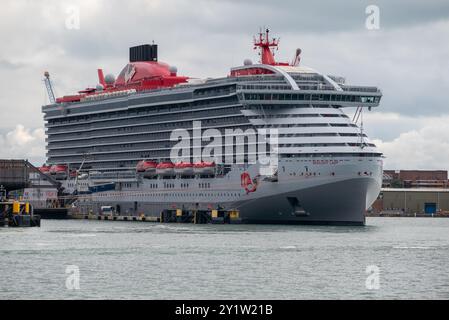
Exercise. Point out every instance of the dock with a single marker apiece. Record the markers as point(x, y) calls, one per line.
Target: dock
point(170, 216)
point(100, 217)
point(214, 216)
point(18, 214)
point(52, 213)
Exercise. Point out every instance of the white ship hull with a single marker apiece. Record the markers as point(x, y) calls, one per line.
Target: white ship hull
point(319, 197)
point(328, 170)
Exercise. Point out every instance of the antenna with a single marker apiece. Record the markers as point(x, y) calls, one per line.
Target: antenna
point(266, 52)
point(49, 86)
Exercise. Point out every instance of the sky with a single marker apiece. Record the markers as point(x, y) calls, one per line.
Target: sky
point(406, 55)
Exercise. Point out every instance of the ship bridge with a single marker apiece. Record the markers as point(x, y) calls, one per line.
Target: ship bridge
point(300, 82)
point(303, 105)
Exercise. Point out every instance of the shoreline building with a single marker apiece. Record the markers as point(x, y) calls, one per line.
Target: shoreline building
point(415, 179)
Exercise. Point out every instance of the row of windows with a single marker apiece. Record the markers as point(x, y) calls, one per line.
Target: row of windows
point(305, 115)
point(135, 156)
point(150, 147)
point(174, 122)
point(147, 120)
point(324, 134)
point(307, 174)
point(297, 125)
point(141, 111)
point(214, 91)
point(204, 185)
point(308, 77)
point(235, 152)
point(168, 185)
point(330, 154)
point(178, 195)
point(158, 144)
point(313, 97)
point(289, 145)
point(290, 106)
point(231, 120)
point(114, 140)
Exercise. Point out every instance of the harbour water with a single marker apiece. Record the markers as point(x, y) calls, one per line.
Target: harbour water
point(135, 260)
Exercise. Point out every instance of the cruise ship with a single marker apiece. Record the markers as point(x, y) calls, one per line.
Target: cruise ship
point(118, 144)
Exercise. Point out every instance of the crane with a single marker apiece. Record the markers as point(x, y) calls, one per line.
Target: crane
point(48, 85)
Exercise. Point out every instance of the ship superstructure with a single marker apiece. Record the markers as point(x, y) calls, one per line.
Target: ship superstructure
point(119, 136)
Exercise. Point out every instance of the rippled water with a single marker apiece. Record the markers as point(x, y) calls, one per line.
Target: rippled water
point(134, 260)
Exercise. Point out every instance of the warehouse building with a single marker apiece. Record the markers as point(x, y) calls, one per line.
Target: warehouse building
point(410, 201)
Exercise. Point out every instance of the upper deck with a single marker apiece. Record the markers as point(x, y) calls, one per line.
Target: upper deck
point(145, 78)
point(260, 89)
point(129, 119)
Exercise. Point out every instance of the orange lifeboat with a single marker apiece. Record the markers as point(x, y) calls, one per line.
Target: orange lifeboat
point(165, 168)
point(59, 171)
point(147, 167)
point(204, 167)
point(184, 168)
point(45, 169)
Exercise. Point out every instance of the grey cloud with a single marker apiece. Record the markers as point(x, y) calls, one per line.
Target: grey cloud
point(7, 65)
point(331, 15)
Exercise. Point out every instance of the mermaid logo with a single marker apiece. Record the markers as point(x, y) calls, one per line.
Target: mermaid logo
point(129, 73)
point(250, 185)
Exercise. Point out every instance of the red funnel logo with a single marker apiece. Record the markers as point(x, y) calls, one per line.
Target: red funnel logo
point(250, 185)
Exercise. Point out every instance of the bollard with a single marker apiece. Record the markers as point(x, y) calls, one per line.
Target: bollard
point(16, 207)
point(234, 214)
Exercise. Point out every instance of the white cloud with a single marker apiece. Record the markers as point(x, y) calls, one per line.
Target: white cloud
point(426, 147)
point(387, 126)
point(23, 143)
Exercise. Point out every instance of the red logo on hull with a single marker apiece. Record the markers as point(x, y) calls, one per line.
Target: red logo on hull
point(250, 185)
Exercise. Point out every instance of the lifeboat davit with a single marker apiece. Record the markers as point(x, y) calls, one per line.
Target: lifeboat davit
point(59, 171)
point(45, 169)
point(184, 168)
point(165, 168)
point(204, 167)
point(147, 167)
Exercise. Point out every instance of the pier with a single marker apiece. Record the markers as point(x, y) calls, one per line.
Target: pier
point(52, 213)
point(200, 216)
point(171, 216)
point(18, 214)
point(91, 216)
